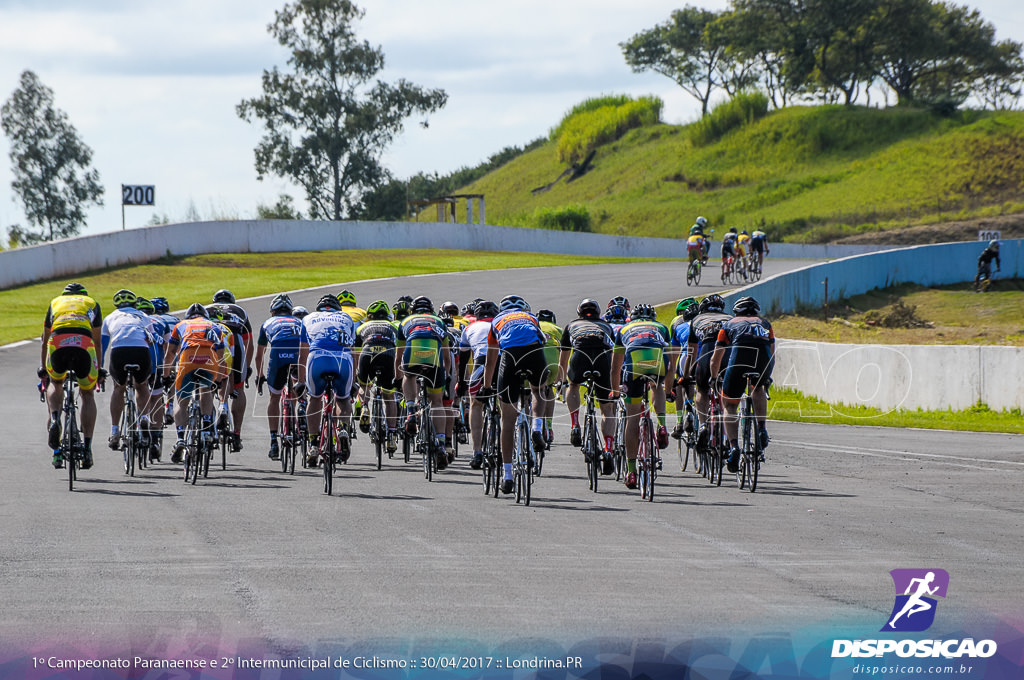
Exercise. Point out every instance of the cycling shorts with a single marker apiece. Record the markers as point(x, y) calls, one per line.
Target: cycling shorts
point(277, 370)
point(476, 378)
point(238, 366)
point(75, 352)
point(634, 386)
point(322, 362)
point(195, 378)
point(596, 359)
point(369, 364)
point(727, 249)
point(746, 360)
point(434, 376)
point(122, 356)
point(694, 249)
point(517, 362)
point(757, 245)
point(702, 370)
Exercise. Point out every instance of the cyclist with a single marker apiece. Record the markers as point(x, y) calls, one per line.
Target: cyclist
point(451, 386)
point(241, 369)
point(159, 329)
point(698, 229)
point(617, 313)
point(282, 334)
point(473, 349)
point(400, 309)
point(695, 247)
point(451, 310)
point(699, 226)
point(729, 247)
point(682, 389)
point(327, 338)
point(985, 263)
point(231, 328)
point(759, 247)
point(586, 345)
point(640, 348)
point(700, 346)
point(374, 351)
point(126, 333)
point(745, 344)
point(300, 312)
point(546, 412)
point(71, 336)
point(348, 305)
point(198, 358)
point(516, 338)
point(426, 352)
point(163, 312)
point(742, 242)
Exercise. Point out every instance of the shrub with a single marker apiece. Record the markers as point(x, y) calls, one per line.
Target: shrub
point(568, 218)
point(743, 109)
point(600, 121)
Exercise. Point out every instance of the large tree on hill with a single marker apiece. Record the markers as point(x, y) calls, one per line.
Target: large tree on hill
point(52, 169)
point(327, 121)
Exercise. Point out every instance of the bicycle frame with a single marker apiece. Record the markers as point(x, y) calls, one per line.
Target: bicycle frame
point(523, 456)
point(71, 444)
point(592, 449)
point(647, 459)
point(491, 438)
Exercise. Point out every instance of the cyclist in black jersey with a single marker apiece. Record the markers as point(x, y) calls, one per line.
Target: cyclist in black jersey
point(700, 347)
point(224, 300)
point(985, 263)
point(374, 351)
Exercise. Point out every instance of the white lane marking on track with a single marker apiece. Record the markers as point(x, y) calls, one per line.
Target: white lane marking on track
point(19, 343)
point(903, 455)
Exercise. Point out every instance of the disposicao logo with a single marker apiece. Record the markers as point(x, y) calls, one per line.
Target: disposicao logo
point(916, 590)
point(914, 611)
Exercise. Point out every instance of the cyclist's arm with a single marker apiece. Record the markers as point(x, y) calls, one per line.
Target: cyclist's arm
point(492, 363)
point(260, 351)
point(716, 360)
point(44, 340)
point(618, 356)
point(303, 355)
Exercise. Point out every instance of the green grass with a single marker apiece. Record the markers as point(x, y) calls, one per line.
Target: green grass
point(189, 279)
point(791, 405)
point(807, 173)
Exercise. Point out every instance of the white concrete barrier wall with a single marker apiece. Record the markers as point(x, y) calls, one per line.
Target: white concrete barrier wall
point(892, 377)
point(87, 253)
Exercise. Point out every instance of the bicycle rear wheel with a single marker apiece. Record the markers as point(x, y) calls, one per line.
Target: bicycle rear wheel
point(590, 451)
point(327, 452)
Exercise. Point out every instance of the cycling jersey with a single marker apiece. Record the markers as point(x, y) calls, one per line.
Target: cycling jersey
point(519, 337)
point(330, 331)
point(474, 342)
point(516, 328)
point(281, 331)
point(988, 255)
point(748, 341)
point(553, 333)
point(758, 241)
point(588, 333)
point(423, 338)
point(701, 343)
point(696, 229)
point(357, 314)
point(73, 313)
point(679, 334)
point(126, 327)
point(199, 348)
point(233, 310)
point(644, 343)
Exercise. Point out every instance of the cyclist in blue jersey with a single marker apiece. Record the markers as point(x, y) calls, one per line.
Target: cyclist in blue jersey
point(163, 312)
point(282, 334)
point(327, 338)
point(515, 349)
point(681, 390)
point(126, 334)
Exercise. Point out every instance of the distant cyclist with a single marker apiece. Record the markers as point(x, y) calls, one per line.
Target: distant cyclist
point(729, 245)
point(742, 245)
point(70, 341)
point(374, 351)
point(348, 305)
point(126, 333)
point(985, 264)
point(327, 338)
point(281, 338)
point(745, 344)
point(699, 228)
point(759, 247)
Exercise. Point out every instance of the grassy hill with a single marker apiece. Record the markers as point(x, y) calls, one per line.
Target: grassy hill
point(809, 174)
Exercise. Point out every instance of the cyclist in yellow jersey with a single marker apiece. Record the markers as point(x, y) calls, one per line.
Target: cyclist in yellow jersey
point(451, 310)
point(348, 305)
point(742, 245)
point(71, 335)
point(695, 246)
point(553, 332)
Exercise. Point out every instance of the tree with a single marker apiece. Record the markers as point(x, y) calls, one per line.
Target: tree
point(327, 125)
point(51, 165)
point(682, 49)
point(284, 209)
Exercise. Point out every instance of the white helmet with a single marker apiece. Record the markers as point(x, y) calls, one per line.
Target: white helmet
point(702, 221)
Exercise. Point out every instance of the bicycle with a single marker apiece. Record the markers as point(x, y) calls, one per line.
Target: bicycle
point(425, 438)
point(751, 454)
point(689, 439)
point(717, 447)
point(647, 459)
point(592, 450)
point(132, 447)
point(727, 268)
point(693, 272)
point(294, 434)
point(197, 454)
point(72, 446)
point(491, 438)
point(378, 419)
point(755, 268)
point(523, 454)
point(332, 444)
point(619, 442)
point(223, 438)
point(983, 281)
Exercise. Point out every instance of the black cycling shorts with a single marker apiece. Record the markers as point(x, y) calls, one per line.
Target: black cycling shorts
point(746, 360)
point(371, 363)
point(123, 356)
point(598, 359)
point(517, 362)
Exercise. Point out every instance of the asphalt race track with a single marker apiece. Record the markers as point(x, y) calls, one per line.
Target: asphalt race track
point(254, 556)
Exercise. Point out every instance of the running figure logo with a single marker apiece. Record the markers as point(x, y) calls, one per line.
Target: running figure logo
point(916, 589)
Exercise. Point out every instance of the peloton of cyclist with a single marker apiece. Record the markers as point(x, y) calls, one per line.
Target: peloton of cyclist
point(516, 350)
point(71, 337)
point(745, 344)
point(424, 343)
point(586, 345)
point(473, 351)
point(126, 333)
point(682, 388)
point(326, 347)
point(198, 360)
point(241, 368)
point(640, 348)
point(282, 334)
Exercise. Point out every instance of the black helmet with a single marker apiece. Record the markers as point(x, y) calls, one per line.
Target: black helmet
point(644, 311)
point(691, 312)
point(401, 307)
point(619, 301)
point(74, 289)
point(281, 304)
point(196, 309)
point(546, 315)
point(224, 296)
point(713, 302)
point(422, 305)
point(746, 306)
point(470, 307)
point(125, 298)
point(328, 301)
point(732, 230)
point(486, 309)
point(588, 309)
point(450, 308)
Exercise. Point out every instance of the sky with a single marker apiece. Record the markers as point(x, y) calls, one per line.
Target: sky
point(152, 86)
